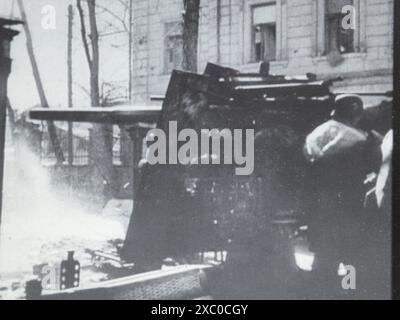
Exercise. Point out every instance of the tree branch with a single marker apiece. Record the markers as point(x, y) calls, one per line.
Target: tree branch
point(83, 32)
point(121, 20)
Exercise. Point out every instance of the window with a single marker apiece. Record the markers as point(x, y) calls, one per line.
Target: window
point(264, 38)
point(330, 37)
point(173, 46)
point(337, 39)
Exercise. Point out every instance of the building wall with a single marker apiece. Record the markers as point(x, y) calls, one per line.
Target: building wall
point(225, 37)
point(149, 19)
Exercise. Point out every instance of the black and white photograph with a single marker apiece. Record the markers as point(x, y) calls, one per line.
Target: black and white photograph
point(206, 150)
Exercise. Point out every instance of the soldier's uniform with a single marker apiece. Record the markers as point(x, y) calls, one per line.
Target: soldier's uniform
point(341, 229)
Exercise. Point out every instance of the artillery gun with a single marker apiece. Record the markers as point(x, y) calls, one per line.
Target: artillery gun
point(184, 209)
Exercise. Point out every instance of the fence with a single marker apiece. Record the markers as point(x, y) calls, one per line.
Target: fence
point(81, 146)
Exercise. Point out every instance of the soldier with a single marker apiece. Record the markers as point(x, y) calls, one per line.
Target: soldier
point(340, 228)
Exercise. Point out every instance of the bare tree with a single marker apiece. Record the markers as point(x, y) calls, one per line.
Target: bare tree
point(118, 20)
point(102, 134)
point(92, 55)
point(114, 22)
point(190, 34)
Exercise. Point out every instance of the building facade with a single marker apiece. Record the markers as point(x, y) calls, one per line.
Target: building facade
point(295, 36)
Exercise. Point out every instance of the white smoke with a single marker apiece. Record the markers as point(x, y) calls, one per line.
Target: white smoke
point(40, 223)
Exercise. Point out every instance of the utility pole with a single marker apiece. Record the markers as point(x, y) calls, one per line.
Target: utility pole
point(70, 103)
point(39, 85)
point(130, 49)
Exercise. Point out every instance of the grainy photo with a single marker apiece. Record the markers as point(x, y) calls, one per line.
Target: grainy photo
point(196, 150)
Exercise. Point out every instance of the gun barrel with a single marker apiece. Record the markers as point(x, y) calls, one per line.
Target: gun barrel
point(114, 115)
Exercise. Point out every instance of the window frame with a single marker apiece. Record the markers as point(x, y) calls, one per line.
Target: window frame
point(281, 27)
point(320, 28)
point(176, 32)
point(253, 33)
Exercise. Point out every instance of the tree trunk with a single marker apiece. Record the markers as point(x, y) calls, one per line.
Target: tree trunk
point(102, 135)
point(94, 70)
point(190, 34)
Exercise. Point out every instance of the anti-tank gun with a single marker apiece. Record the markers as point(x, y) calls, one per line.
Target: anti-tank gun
point(184, 209)
point(197, 207)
